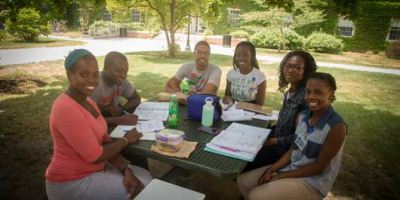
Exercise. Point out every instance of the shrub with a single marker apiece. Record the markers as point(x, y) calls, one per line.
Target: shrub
point(3, 35)
point(272, 39)
point(104, 28)
point(208, 32)
point(393, 51)
point(28, 25)
point(134, 26)
point(240, 34)
point(323, 42)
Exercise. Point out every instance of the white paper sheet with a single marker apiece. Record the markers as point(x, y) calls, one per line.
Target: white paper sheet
point(152, 111)
point(234, 114)
point(147, 128)
point(272, 117)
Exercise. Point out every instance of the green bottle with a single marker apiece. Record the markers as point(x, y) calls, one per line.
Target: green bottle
point(185, 87)
point(173, 113)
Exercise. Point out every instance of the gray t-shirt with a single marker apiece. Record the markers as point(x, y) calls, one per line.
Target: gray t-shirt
point(104, 94)
point(198, 79)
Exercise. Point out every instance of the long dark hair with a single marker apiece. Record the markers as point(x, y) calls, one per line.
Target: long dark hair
point(310, 66)
point(254, 62)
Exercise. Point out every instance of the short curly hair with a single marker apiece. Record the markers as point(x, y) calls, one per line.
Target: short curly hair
point(327, 78)
point(310, 66)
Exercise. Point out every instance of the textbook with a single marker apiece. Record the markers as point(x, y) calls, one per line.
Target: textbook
point(255, 108)
point(239, 141)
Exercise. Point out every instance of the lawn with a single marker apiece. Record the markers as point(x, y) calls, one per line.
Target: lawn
point(42, 42)
point(367, 59)
point(367, 101)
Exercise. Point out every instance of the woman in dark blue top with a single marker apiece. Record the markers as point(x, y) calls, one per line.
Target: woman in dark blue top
point(294, 70)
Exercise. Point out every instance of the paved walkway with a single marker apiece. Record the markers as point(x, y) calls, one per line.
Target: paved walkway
point(101, 47)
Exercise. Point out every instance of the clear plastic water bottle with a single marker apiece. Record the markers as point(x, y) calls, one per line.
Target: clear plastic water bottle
point(208, 113)
point(173, 113)
point(253, 89)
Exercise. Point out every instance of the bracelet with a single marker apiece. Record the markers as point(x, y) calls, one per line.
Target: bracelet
point(126, 140)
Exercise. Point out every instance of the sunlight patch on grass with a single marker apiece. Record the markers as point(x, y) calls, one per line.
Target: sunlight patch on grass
point(43, 42)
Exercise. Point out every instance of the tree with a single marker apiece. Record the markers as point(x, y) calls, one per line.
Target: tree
point(28, 25)
point(172, 15)
point(120, 10)
point(288, 18)
point(88, 9)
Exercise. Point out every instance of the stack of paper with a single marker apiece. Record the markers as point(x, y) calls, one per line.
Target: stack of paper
point(239, 141)
point(147, 128)
point(152, 111)
point(235, 114)
point(272, 117)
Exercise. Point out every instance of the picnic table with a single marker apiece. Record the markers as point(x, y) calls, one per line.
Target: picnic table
point(217, 165)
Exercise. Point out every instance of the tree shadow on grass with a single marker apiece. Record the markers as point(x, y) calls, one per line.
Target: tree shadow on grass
point(371, 154)
point(25, 141)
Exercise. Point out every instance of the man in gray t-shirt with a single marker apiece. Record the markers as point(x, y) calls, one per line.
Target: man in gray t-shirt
point(203, 78)
point(113, 88)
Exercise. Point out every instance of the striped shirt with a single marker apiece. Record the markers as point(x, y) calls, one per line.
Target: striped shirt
point(308, 144)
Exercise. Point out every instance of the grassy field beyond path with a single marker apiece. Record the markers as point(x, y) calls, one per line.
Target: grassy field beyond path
point(367, 101)
point(43, 42)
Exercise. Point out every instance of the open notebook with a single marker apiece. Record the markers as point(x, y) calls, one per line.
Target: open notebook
point(239, 141)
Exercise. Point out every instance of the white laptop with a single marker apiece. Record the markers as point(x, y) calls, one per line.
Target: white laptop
point(161, 190)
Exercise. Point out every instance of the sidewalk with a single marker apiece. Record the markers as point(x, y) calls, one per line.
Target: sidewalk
point(100, 47)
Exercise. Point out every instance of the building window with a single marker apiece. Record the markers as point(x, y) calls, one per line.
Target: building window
point(234, 17)
point(135, 16)
point(106, 15)
point(346, 27)
point(394, 31)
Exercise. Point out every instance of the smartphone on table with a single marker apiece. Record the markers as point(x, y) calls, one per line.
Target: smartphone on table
point(209, 130)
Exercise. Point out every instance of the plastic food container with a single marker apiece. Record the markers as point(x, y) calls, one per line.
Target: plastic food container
point(169, 140)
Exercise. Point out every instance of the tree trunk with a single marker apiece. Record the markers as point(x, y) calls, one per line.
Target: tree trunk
point(171, 47)
point(85, 18)
point(283, 40)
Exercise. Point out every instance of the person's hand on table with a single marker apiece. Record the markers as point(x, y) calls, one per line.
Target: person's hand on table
point(132, 136)
point(128, 119)
point(271, 141)
point(132, 183)
point(227, 100)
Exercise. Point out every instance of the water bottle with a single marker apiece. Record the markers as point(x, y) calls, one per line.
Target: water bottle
point(185, 87)
point(173, 113)
point(208, 113)
point(253, 89)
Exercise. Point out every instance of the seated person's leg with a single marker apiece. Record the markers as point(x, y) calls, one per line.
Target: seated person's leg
point(284, 189)
point(249, 180)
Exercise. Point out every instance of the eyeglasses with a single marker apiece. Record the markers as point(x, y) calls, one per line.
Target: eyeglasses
point(293, 67)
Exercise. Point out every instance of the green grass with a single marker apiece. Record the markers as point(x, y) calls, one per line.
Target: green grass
point(367, 59)
point(367, 101)
point(43, 42)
